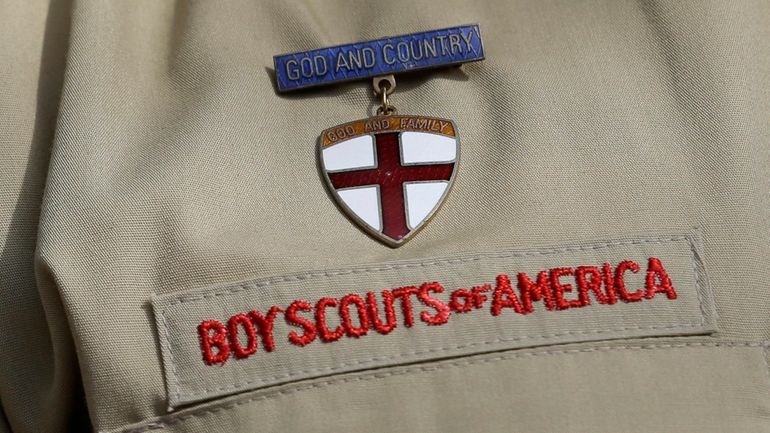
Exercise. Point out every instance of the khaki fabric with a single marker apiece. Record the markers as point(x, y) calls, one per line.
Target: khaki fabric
point(39, 384)
point(170, 164)
point(190, 380)
point(669, 387)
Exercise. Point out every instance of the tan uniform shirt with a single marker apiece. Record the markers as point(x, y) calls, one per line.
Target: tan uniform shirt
point(151, 177)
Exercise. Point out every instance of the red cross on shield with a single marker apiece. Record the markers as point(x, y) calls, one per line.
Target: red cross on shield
point(390, 174)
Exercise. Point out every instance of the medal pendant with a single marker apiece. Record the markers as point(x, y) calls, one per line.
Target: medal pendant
point(390, 173)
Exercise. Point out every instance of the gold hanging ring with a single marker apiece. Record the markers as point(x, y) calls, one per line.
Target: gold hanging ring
point(384, 86)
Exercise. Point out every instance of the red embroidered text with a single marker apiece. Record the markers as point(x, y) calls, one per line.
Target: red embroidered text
point(327, 320)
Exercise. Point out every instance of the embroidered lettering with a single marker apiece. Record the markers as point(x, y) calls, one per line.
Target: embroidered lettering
point(559, 288)
point(292, 318)
point(213, 345)
point(620, 282)
point(237, 322)
point(535, 291)
point(503, 296)
point(264, 326)
point(363, 318)
point(353, 315)
point(442, 309)
point(320, 321)
point(405, 293)
point(390, 313)
point(656, 272)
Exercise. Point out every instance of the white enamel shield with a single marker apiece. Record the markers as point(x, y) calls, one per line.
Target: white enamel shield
point(390, 174)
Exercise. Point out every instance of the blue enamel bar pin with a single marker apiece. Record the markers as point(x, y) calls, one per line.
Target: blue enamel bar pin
point(392, 172)
point(373, 58)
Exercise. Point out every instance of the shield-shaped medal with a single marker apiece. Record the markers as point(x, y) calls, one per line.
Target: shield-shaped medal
point(390, 174)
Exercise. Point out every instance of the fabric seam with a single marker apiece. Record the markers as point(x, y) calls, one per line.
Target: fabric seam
point(363, 377)
point(223, 291)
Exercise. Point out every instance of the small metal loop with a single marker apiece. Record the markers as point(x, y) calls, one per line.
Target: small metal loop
point(384, 86)
point(386, 111)
point(385, 107)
